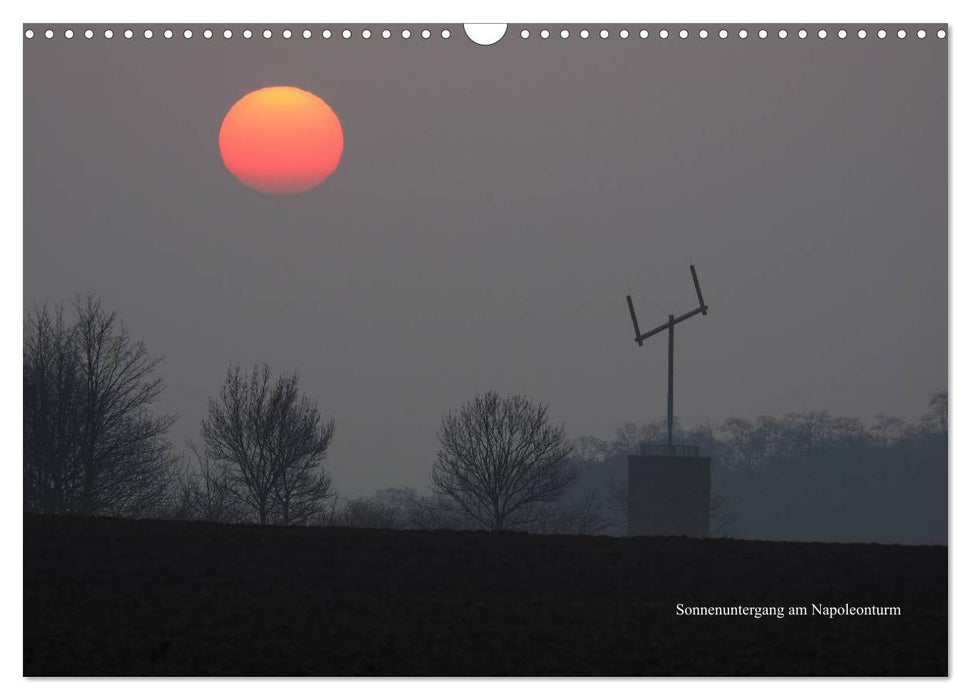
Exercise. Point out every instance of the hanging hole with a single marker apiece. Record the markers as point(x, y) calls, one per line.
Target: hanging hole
point(486, 34)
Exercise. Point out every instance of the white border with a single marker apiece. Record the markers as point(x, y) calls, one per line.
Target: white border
point(709, 11)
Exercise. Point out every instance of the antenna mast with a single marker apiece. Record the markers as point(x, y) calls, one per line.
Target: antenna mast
point(639, 338)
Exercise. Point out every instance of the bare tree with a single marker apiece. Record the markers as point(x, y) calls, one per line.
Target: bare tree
point(422, 511)
point(429, 511)
point(274, 441)
point(499, 458)
point(936, 417)
point(373, 513)
point(52, 413)
point(91, 443)
point(205, 490)
point(588, 448)
point(887, 430)
point(302, 490)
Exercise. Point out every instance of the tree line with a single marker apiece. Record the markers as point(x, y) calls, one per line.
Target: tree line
point(93, 445)
point(807, 475)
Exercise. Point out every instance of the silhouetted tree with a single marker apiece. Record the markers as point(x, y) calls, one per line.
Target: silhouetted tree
point(628, 437)
point(588, 448)
point(887, 429)
point(53, 393)
point(91, 444)
point(398, 509)
point(274, 442)
point(372, 513)
point(420, 511)
point(936, 417)
point(499, 458)
point(205, 490)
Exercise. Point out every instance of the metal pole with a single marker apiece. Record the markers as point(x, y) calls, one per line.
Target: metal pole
point(670, 384)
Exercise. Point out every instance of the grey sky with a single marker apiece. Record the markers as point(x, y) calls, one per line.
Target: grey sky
point(492, 208)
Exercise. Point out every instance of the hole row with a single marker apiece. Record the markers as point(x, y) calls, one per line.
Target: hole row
point(445, 34)
point(724, 34)
point(245, 34)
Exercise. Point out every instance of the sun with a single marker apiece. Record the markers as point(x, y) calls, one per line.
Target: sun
point(281, 140)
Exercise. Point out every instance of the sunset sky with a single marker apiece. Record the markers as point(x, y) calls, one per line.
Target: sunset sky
point(492, 208)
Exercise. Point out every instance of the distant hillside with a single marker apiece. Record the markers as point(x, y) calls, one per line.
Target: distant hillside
point(109, 597)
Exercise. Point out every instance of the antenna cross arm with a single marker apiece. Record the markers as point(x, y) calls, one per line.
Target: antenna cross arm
point(664, 326)
point(654, 331)
point(685, 317)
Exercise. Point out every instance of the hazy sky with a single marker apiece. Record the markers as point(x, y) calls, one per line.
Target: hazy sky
point(492, 208)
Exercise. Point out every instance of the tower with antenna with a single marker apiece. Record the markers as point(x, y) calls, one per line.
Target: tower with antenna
point(639, 338)
point(668, 486)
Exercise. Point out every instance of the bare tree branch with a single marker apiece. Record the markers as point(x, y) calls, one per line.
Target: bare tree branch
point(91, 443)
point(274, 442)
point(499, 458)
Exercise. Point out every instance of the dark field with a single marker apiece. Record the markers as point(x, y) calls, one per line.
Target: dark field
point(107, 597)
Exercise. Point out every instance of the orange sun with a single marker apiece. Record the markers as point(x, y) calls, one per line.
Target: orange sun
point(281, 140)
